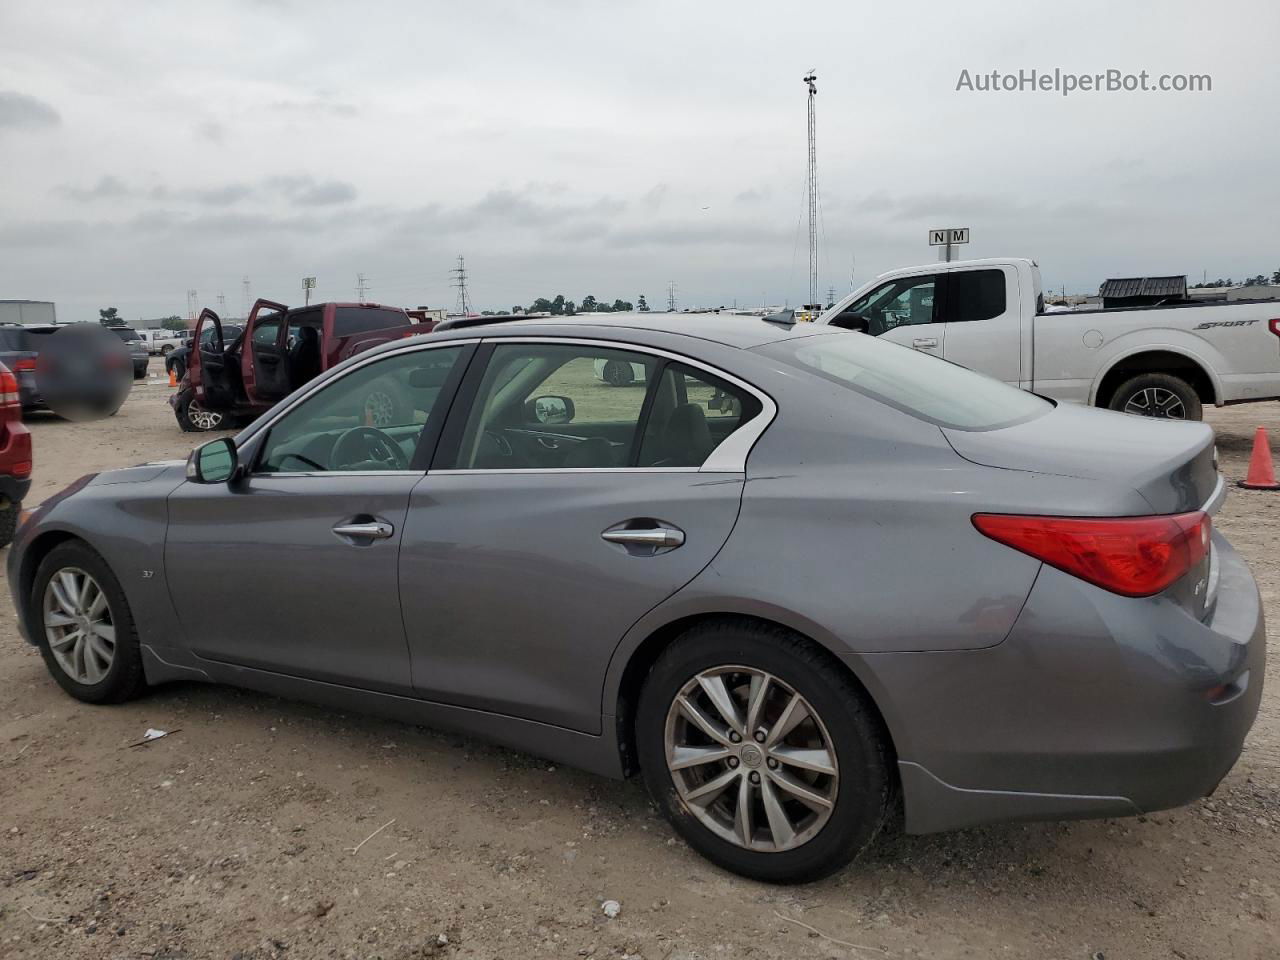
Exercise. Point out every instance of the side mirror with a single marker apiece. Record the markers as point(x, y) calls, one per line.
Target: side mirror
point(549, 409)
point(215, 462)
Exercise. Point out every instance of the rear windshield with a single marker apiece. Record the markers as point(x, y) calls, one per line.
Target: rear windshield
point(125, 334)
point(925, 387)
point(349, 320)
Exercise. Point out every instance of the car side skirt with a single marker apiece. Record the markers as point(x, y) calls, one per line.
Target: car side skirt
point(595, 754)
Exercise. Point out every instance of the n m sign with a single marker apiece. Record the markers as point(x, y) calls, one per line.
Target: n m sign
point(942, 238)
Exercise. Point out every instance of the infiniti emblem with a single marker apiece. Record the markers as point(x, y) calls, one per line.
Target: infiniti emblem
point(751, 756)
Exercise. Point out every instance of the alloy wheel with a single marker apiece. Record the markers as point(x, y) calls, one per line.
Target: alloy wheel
point(1156, 402)
point(203, 419)
point(78, 625)
point(379, 409)
point(751, 759)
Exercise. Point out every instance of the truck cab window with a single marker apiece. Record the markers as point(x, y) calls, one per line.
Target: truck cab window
point(974, 295)
point(902, 302)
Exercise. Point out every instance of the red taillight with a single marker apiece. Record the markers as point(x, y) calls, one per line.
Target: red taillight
point(1274, 324)
point(9, 389)
point(26, 363)
point(1131, 556)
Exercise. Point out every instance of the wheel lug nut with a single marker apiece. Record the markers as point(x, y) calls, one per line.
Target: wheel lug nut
point(773, 764)
point(759, 736)
point(755, 777)
point(733, 762)
point(735, 737)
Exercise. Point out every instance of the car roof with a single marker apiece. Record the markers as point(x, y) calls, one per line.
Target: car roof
point(729, 329)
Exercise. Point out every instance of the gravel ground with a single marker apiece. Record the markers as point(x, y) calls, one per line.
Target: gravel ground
point(243, 834)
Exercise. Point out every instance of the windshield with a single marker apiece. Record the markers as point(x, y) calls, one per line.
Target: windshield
point(925, 387)
point(124, 334)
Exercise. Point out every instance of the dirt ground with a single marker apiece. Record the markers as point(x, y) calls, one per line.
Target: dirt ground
point(263, 828)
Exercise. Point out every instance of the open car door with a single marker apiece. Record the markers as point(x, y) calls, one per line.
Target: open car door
point(262, 356)
point(214, 379)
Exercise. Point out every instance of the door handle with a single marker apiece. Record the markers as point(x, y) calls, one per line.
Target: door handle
point(644, 540)
point(924, 343)
point(373, 530)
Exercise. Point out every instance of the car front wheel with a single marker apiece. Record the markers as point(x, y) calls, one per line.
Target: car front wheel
point(762, 752)
point(84, 625)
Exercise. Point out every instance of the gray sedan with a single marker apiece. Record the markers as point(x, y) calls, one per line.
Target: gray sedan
point(792, 576)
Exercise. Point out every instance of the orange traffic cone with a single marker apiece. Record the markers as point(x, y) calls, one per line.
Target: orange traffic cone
point(173, 378)
point(1262, 475)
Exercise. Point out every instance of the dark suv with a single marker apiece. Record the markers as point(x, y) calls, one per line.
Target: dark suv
point(19, 347)
point(137, 349)
point(15, 455)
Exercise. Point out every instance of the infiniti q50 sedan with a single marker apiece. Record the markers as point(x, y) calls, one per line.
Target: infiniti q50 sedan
point(871, 578)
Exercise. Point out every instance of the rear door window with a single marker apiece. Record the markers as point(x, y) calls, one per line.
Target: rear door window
point(974, 295)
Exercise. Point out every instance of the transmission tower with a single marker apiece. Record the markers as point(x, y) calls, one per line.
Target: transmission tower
point(813, 187)
point(459, 274)
point(362, 287)
point(831, 296)
point(671, 296)
point(193, 304)
point(248, 300)
point(222, 304)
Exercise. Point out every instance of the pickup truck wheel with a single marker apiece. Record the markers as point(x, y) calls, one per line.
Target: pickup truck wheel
point(194, 418)
point(1159, 395)
point(166, 349)
point(382, 407)
point(617, 373)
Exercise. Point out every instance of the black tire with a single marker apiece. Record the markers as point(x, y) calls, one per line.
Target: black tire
point(865, 791)
point(9, 523)
point(124, 679)
point(1156, 391)
point(190, 421)
point(617, 373)
point(166, 349)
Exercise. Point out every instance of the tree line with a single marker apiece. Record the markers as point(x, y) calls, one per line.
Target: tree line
point(1258, 281)
point(560, 307)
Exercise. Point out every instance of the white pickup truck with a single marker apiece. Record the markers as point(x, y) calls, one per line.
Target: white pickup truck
point(988, 315)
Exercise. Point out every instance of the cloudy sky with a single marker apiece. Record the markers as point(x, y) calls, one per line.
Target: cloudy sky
point(606, 148)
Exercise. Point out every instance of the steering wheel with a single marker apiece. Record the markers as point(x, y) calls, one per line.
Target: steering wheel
point(367, 444)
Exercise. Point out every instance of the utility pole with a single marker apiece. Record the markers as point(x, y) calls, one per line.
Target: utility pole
point(459, 274)
point(362, 287)
point(671, 296)
point(809, 79)
point(248, 300)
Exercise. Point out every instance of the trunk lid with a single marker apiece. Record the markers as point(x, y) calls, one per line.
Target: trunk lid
point(1170, 464)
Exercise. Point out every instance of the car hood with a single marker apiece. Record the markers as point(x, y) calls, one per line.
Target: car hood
point(1169, 463)
point(141, 473)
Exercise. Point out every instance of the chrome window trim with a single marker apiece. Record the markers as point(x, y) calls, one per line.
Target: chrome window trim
point(729, 457)
point(543, 470)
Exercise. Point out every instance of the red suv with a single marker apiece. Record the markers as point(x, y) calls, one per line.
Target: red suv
point(280, 349)
point(15, 456)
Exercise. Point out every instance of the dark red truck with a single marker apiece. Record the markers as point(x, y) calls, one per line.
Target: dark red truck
point(15, 456)
point(280, 349)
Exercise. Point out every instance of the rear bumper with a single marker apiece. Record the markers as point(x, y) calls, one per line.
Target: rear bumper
point(1095, 705)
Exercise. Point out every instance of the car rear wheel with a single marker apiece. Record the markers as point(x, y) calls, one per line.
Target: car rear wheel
point(762, 752)
point(166, 349)
point(84, 625)
point(617, 373)
point(382, 407)
point(1159, 395)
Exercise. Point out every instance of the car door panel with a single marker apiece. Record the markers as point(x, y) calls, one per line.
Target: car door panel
point(260, 382)
point(211, 375)
point(260, 579)
point(514, 602)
